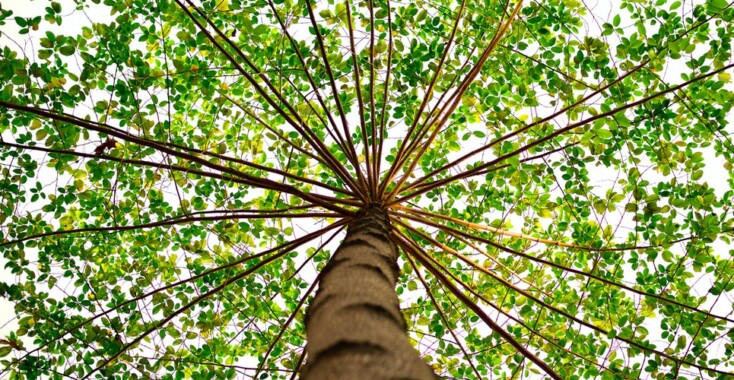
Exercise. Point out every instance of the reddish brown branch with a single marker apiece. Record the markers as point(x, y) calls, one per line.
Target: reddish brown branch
point(307, 134)
point(288, 246)
point(476, 169)
point(499, 309)
point(442, 314)
point(386, 95)
point(170, 222)
point(186, 170)
point(332, 82)
point(559, 266)
point(338, 138)
point(407, 145)
point(107, 129)
point(456, 99)
point(411, 247)
point(597, 91)
point(360, 101)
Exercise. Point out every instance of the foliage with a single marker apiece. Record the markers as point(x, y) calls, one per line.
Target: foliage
point(175, 173)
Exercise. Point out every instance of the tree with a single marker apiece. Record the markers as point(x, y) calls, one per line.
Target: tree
point(520, 189)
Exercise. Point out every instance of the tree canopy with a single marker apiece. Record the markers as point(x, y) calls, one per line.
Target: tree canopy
point(558, 175)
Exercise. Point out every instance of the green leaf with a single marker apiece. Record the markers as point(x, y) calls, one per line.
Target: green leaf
point(5, 351)
point(603, 133)
point(6, 70)
point(67, 50)
point(717, 5)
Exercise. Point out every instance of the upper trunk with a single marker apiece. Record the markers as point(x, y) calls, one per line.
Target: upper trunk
point(354, 326)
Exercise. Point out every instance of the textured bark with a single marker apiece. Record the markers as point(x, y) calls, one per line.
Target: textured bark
point(354, 326)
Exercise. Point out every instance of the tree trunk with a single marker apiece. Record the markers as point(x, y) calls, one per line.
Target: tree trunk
point(354, 326)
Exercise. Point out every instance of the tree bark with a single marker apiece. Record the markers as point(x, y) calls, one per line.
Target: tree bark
point(354, 326)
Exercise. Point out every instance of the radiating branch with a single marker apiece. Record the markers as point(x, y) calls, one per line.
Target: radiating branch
point(442, 314)
point(301, 358)
point(338, 137)
point(375, 159)
point(107, 129)
point(407, 145)
point(244, 211)
point(170, 222)
point(456, 99)
point(413, 249)
point(503, 232)
point(286, 247)
point(472, 172)
point(360, 101)
point(561, 267)
point(214, 364)
point(186, 170)
point(332, 82)
point(565, 109)
point(296, 123)
point(386, 94)
point(284, 326)
point(432, 185)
